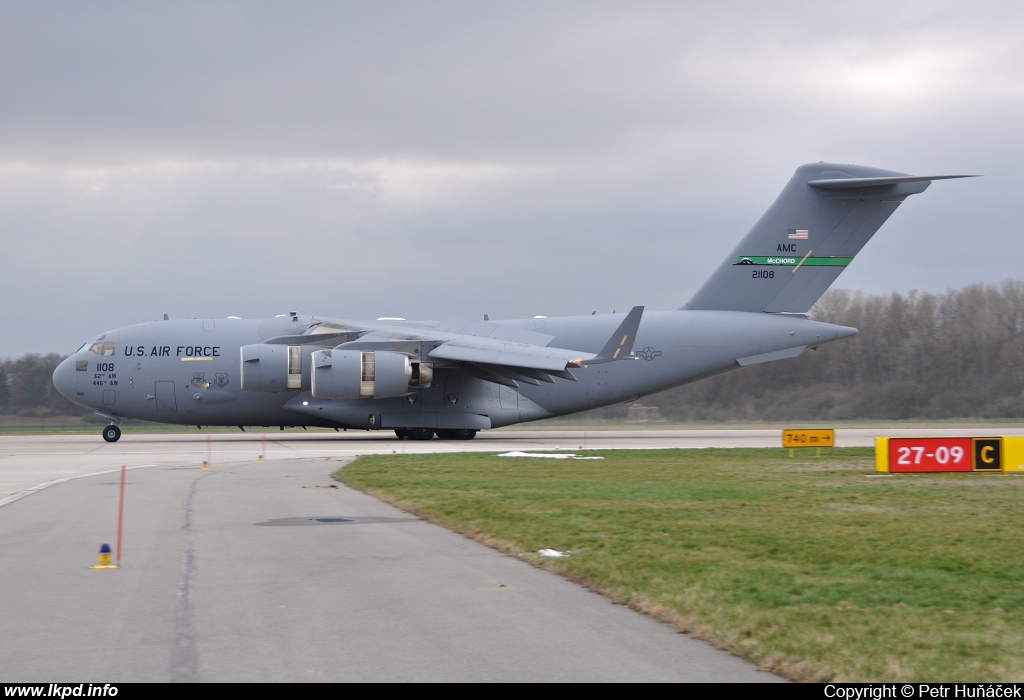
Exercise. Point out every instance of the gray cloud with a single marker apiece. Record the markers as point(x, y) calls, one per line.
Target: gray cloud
point(434, 159)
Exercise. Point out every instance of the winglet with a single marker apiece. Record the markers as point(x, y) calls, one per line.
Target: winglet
point(620, 345)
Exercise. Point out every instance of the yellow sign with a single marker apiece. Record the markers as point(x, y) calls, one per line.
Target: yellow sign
point(809, 438)
point(950, 454)
point(1013, 453)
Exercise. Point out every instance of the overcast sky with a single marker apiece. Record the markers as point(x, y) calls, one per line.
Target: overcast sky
point(434, 159)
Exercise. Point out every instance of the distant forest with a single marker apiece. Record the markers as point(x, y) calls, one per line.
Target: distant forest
point(27, 391)
point(958, 354)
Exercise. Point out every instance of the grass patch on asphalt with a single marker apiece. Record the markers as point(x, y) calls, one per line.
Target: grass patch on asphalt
point(811, 567)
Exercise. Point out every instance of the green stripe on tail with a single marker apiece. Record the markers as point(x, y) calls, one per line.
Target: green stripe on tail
point(792, 261)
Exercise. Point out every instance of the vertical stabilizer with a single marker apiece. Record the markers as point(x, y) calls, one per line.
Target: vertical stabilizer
point(799, 247)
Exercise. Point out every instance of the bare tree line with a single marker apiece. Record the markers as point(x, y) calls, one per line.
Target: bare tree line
point(957, 354)
point(26, 388)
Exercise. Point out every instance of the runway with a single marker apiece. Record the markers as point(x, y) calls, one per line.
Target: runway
point(30, 462)
point(269, 571)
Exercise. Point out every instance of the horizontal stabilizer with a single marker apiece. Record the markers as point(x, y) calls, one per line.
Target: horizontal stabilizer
point(844, 183)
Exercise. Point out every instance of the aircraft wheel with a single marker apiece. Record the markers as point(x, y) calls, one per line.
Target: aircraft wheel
point(111, 433)
point(463, 434)
point(402, 433)
point(443, 434)
point(421, 433)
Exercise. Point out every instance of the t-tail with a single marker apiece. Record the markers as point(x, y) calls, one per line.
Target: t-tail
point(805, 240)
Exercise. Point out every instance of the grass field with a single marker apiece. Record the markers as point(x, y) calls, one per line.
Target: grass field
point(816, 568)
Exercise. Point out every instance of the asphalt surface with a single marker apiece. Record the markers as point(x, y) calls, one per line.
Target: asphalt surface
point(28, 462)
point(270, 571)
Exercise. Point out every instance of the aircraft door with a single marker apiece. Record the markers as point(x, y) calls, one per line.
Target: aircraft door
point(165, 396)
point(508, 397)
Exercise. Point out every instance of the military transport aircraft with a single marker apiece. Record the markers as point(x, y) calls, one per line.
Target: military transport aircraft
point(456, 377)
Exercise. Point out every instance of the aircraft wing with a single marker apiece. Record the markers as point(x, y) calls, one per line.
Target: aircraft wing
point(498, 353)
point(492, 352)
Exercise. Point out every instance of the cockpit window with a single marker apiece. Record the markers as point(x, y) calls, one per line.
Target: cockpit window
point(105, 349)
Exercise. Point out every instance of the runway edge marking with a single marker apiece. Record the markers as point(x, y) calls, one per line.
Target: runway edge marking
point(47, 484)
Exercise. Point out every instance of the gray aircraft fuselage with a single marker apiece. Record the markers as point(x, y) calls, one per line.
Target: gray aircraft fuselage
point(187, 371)
point(456, 377)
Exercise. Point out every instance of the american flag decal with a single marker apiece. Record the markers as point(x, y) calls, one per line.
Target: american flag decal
point(798, 234)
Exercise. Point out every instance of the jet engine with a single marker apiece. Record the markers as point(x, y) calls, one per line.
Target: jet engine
point(365, 374)
point(271, 367)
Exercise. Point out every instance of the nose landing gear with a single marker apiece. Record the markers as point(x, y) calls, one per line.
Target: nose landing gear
point(111, 433)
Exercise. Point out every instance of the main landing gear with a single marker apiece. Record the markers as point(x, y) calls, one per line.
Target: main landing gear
point(111, 433)
point(414, 433)
point(427, 433)
point(457, 434)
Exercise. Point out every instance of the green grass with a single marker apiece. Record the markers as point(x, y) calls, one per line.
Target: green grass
point(814, 568)
point(581, 423)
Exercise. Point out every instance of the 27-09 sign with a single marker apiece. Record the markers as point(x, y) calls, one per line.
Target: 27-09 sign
point(943, 454)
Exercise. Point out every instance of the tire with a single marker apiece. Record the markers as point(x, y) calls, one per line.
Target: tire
point(421, 433)
point(402, 433)
point(456, 434)
point(111, 433)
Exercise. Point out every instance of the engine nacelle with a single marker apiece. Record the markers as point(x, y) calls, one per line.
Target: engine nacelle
point(271, 367)
point(360, 374)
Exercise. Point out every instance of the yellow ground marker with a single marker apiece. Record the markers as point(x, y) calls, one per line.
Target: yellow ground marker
point(105, 559)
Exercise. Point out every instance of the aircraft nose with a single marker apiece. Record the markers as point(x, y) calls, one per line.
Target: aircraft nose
point(63, 377)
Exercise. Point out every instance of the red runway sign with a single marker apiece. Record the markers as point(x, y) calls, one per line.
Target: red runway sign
point(930, 455)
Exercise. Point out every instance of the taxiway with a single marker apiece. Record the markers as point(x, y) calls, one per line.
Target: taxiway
point(266, 571)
